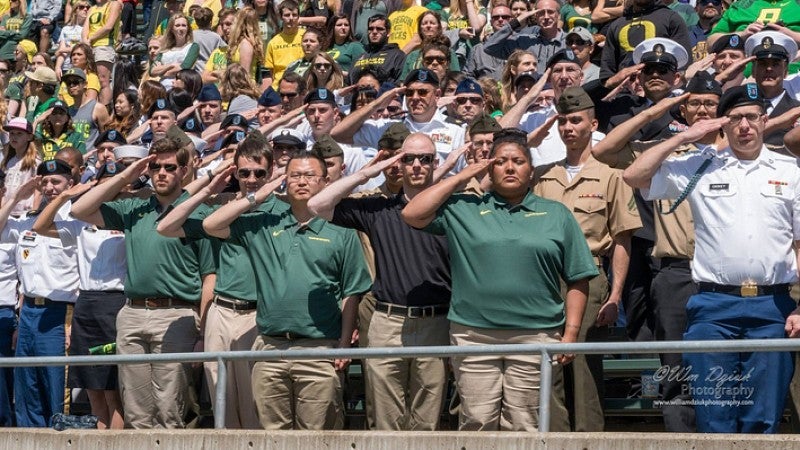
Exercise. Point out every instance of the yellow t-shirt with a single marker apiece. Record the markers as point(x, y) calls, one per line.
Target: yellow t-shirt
point(217, 60)
point(5, 7)
point(253, 65)
point(404, 25)
point(92, 82)
point(97, 18)
point(281, 51)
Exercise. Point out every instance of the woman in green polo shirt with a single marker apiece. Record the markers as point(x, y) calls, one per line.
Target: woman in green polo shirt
point(509, 252)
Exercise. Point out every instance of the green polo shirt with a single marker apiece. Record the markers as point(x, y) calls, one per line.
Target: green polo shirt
point(303, 272)
point(157, 266)
point(235, 276)
point(506, 261)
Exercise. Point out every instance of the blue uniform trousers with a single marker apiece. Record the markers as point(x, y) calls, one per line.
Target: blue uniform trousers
point(40, 390)
point(738, 392)
point(8, 323)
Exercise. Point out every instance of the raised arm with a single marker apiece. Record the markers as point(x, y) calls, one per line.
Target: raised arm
point(218, 223)
point(25, 190)
point(512, 118)
point(45, 221)
point(87, 208)
point(421, 210)
point(323, 203)
point(344, 130)
point(171, 225)
point(639, 174)
point(608, 148)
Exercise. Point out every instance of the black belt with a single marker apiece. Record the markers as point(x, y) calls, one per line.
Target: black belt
point(288, 335)
point(160, 302)
point(412, 312)
point(744, 290)
point(236, 305)
point(675, 262)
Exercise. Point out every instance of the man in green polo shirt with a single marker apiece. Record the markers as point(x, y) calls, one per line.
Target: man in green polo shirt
point(163, 286)
point(304, 267)
point(231, 323)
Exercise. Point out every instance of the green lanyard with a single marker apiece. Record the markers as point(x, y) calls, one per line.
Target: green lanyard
point(689, 188)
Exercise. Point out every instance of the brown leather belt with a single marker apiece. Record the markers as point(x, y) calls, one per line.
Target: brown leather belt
point(160, 302)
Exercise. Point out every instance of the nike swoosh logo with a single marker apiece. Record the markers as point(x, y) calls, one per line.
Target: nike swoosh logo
point(485, 212)
point(277, 233)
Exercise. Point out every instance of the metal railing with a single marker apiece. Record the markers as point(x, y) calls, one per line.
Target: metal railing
point(546, 350)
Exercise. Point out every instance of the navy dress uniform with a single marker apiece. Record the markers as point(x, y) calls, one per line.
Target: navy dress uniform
point(48, 275)
point(744, 286)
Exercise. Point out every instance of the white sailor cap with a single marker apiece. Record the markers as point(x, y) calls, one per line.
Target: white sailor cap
point(663, 51)
point(130, 151)
point(771, 45)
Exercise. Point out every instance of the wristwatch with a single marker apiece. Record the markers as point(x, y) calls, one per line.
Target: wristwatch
point(251, 197)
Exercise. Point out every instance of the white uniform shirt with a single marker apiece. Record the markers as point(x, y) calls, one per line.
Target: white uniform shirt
point(8, 275)
point(552, 148)
point(102, 264)
point(746, 215)
point(46, 267)
point(446, 135)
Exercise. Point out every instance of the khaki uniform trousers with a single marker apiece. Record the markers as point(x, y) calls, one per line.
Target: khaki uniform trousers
point(156, 395)
point(365, 311)
point(299, 395)
point(578, 387)
point(230, 330)
point(407, 393)
point(498, 393)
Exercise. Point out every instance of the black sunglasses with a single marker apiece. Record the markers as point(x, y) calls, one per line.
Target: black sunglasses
point(410, 158)
point(245, 173)
point(155, 167)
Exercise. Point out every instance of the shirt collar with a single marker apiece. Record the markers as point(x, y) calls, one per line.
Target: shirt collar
point(529, 202)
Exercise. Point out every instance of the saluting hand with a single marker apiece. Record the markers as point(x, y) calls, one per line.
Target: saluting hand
point(27, 188)
point(703, 127)
point(137, 168)
point(379, 163)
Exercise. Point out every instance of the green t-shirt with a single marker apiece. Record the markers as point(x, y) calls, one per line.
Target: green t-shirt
point(571, 19)
point(507, 261)
point(51, 146)
point(686, 11)
point(742, 13)
point(346, 54)
point(157, 266)
point(302, 272)
point(235, 276)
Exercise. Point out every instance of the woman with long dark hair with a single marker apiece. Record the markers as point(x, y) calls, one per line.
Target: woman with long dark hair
point(342, 46)
point(127, 112)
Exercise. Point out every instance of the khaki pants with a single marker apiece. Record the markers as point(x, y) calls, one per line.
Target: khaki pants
point(407, 394)
point(155, 395)
point(498, 393)
point(365, 311)
point(299, 395)
point(229, 330)
point(583, 377)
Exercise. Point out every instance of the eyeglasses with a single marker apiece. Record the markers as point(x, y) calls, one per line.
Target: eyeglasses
point(321, 66)
point(376, 29)
point(473, 100)
point(288, 94)
point(709, 104)
point(245, 173)
point(308, 177)
point(501, 17)
point(433, 59)
point(576, 42)
point(656, 69)
point(155, 167)
point(4, 71)
point(73, 81)
point(409, 158)
point(82, 6)
point(751, 118)
point(421, 92)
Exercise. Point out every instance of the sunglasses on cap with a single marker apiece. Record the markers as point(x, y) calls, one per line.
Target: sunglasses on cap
point(245, 173)
point(156, 167)
point(410, 158)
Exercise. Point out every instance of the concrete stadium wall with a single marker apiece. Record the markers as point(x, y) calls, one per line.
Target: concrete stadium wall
point(15, 438)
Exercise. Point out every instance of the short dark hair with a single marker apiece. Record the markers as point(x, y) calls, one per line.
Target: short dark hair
point(169, 145)
point(307, 154)
point(255, 149)
point(288, 4)
point(512, 136)
point(203, 18)
point(385, 20)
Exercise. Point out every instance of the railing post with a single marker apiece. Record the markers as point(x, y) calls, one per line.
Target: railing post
point(545, 389)
point(221, 390)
